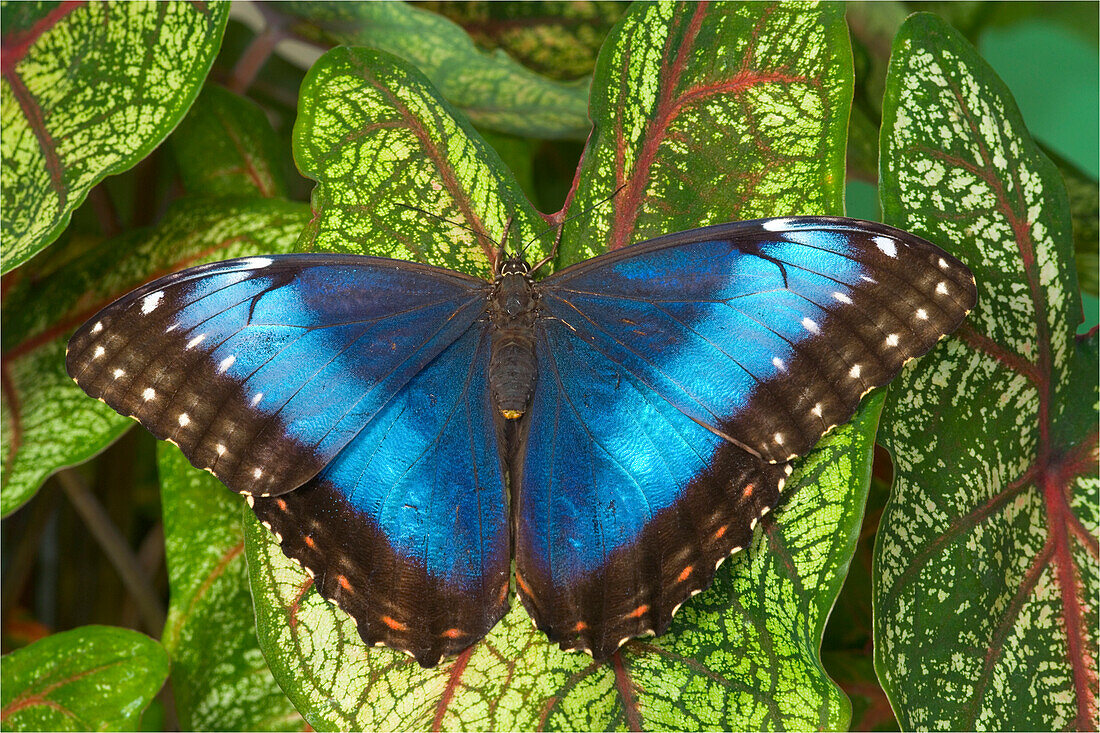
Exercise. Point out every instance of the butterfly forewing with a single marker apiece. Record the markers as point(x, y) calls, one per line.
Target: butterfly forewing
point(262, 369)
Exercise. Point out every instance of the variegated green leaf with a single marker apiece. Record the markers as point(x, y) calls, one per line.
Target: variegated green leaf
point(219, 676)
point(378, 139)
point(986, 565)
point(226, 147)
point(493, 90)
point(48, 421)
point(711, 114)
point(376, 136)
point(90, 678)
point(87, 90)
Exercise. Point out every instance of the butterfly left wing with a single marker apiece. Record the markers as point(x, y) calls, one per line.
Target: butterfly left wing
point(262, 369)
point(676, 379)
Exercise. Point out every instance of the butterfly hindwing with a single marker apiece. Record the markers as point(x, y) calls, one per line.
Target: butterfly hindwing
point(625, 505)
point(676, 379)
point(262, 369)
point(406, 530)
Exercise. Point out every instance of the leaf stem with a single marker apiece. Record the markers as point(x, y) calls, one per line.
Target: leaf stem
point(258, 52)
point(114, 546)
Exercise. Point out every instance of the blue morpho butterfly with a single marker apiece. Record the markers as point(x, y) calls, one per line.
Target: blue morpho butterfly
point(617, 428)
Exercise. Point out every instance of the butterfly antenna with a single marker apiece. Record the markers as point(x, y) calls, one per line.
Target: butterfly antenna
point(561, 227)
point(458, 224)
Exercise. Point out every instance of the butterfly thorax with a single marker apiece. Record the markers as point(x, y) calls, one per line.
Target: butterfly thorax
point(512, 312)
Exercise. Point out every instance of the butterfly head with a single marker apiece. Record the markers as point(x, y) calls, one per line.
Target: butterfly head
point(514, 264)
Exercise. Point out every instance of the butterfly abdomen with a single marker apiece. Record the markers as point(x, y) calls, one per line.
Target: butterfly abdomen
point(512, 366)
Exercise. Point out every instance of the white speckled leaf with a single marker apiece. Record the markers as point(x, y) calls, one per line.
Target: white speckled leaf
point(986, 583)
point(88, 90)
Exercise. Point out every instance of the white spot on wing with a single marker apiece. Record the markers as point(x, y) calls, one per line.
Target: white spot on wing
point(943, 264)
point(196, 341)
point(777, 225)
point(854, 372)
point(184, 419)
point(892, 340)
point(226, 363)
point(256, 263)
point(117, 373)
point(810, 325)
point(148, 394)
point(868, 278)
point(887, 246)
point(256, 472)
point(779, 438)
point(941, 288)
point(220, 449)
point(817, 409)
point(922, 314)
point(151, 301)
point(256, 398)
point(99, 351)
point(842, 298)
point(778, 363)
point(97, 327)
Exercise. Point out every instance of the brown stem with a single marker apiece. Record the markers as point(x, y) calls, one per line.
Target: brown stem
point(114, 546)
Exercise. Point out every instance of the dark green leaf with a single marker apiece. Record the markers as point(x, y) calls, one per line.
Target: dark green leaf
point(493, 90)
point(89, 90)
point(1084, 210)
point(48, 421)
point(559, 39)
point(91, 678)
point(375, 135)
point(219, 676)
point(225, 147)
point(986, 565)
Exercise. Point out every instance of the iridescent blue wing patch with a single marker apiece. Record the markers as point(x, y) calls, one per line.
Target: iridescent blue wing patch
point(407, 528)
point(263, 369)
point(677, 378)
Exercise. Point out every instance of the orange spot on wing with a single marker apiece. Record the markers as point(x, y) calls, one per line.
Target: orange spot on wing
point(721, 531)
point(638, 612)
point(281, 503)
point(453, 633)
point(522, 586)
point(343, 582)
point(685, 574)
point(309, 542)
point(747, 492)
point(394, 624)
point(503, 592)
point(580, 626)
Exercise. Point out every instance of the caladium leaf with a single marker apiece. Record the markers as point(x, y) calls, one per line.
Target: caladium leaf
point(49, 422)
point(226, 147)
point(90, 678)
point(986, 565)
point(219, 677)
point(375, 136)
point(493, 90)
point(86, 93)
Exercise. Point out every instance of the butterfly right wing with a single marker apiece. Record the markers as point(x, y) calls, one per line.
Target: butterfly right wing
point(262, 369)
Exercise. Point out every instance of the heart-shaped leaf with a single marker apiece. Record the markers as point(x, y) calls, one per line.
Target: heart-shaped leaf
point(219, 676)
point(89, 89)
point(49, 422)
point(986, 565)
point(378, 138)
point(90, 678)
point(493, 90)
point(226, 147)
